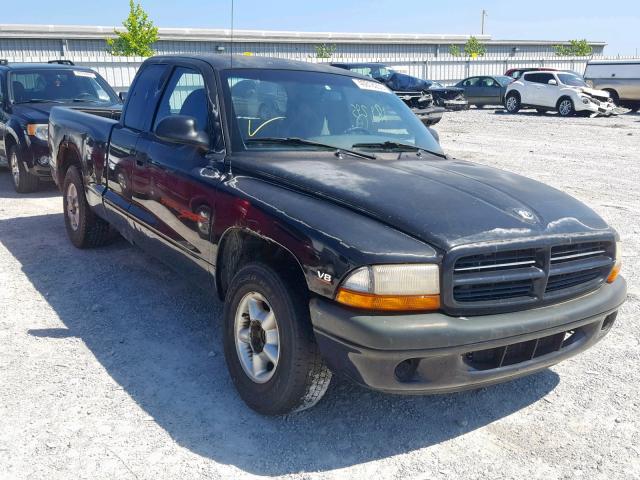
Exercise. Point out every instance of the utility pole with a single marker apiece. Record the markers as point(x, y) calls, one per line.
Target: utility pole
point(484, 14)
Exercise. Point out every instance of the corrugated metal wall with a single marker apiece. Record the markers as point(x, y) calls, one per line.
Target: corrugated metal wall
point(423, 60)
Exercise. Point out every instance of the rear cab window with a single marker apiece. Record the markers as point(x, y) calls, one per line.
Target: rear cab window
point(143, 97)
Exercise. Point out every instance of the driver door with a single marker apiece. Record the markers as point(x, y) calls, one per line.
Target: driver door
point(172, 203)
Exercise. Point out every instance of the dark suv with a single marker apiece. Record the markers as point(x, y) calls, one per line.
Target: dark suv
point(27, 94)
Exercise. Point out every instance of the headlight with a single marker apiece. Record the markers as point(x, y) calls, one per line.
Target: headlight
point(37, 130)
point(392, 287)
point(615, 271)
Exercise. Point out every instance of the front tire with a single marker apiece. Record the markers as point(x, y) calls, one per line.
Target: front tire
point(84, 228)
point(269, 345)
point(512, 103)
point(565, 107)
point(23, 181)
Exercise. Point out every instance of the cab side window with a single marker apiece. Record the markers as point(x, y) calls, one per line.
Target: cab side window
point(185, 94)
point(471, 82)
point(143, 97)
point(538, 77)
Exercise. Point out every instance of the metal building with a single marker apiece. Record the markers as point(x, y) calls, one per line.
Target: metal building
point(423, 55)
point(54, 41)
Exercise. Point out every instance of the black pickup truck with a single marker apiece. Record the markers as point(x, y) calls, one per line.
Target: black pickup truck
point(28, 91)
point(339, 235)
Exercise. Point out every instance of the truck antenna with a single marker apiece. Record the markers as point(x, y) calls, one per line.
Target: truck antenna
point(231, 47)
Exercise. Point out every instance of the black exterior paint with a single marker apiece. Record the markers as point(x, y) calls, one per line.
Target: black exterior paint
point(15, 117)
point(330, 215)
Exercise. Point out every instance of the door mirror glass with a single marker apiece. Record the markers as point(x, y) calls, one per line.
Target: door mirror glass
point(182, 129)
point(552, 82)
point(122, 96)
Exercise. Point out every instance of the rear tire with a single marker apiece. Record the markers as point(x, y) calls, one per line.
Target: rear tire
point(23, 181)
point(269, 345)
point(512, 102)
point(84, 228)
point(565, 107)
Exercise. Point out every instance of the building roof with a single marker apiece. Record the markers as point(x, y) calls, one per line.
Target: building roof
point(263, 36)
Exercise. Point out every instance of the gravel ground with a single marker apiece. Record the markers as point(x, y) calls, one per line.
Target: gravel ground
point(110, 369)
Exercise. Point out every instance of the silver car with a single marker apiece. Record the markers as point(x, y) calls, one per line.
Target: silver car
point(621, 78)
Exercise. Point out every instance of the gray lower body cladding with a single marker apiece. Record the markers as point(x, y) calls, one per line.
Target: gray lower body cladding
point(436, 353)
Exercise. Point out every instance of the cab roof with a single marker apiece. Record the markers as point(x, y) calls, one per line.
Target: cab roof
point(41, 66)
point(227, 62)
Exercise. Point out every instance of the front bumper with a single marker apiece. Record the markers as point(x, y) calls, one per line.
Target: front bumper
point(429, 116)
point(599, 108)
point(37, 150)
point(456, 104)
point(437, 353)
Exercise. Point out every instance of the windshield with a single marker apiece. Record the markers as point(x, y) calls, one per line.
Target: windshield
point(334, 110)
point(64, 85)
point(571, 80)
point(436, 85)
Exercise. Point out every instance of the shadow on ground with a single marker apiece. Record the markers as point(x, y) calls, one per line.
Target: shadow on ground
point(158, 338)
point(45, 189)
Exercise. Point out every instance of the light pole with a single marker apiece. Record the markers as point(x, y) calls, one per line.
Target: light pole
point(484, 14)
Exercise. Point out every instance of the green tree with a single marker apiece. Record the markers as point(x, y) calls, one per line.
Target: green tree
point(325, 51)
point(454, 50)
point(576, 48)
point(473, 48)
point(140, 34)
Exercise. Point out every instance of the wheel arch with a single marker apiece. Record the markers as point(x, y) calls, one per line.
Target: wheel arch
point(68, 155)
point(239, 246)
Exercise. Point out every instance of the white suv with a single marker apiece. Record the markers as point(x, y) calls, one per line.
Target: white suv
point(565, 92)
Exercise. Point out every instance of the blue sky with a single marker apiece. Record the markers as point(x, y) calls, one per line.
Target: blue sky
point(616, 22)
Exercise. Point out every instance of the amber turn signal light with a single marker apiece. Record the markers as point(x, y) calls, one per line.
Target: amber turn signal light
point(368, 301)
point(615, 271)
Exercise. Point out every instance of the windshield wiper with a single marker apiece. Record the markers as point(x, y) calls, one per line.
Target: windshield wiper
point(402, 147)
point(39, 100)
point(304, 142)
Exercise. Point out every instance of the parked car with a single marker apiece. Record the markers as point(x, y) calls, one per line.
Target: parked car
point(340, 236)
point(485, 90)
point(28, 91)
point(621, 78)
point(517, 72)
point(564, 92)
point(427, 105)
point(451, 98)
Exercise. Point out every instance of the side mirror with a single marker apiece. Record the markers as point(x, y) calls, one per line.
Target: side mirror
point(182, 129)
point(123, 96)
point(552, 82)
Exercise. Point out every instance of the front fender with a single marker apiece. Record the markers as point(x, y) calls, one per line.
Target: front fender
point(327, 240)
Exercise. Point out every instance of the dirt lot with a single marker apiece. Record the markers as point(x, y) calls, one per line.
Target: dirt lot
point(110, 368)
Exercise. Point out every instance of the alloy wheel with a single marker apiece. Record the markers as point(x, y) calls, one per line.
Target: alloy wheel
point(565, 107)
point(15, 168)
point(73, 210)
point(256, 337)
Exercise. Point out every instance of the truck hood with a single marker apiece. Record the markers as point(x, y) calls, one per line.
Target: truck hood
point(444, 202)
